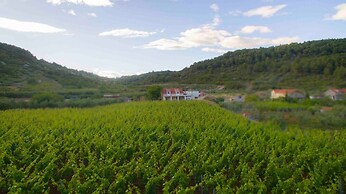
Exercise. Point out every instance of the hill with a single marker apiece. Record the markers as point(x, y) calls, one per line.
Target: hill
point(313, 65)
point(21, 71)
point(309, 65)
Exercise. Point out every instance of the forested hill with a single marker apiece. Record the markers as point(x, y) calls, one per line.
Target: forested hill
point(310, 65)
point(313, 64)
point(20, 70)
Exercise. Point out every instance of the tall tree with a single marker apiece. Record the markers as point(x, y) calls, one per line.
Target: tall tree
point(154, 92)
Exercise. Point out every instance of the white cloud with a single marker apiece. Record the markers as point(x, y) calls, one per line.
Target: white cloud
point(340, 13)
point(235, 13)
point(216, 20)
point(107, 73)
point(166, 44)
point(71, 12)
point(223, 40)
point(102, 3)
point(265, 11)
point(112, 74)
point(284, 40)
point(214, 50)
point(24, 26)
point(214, 7)
point(195, 37)
point(68, 34)
point(238, 42)
point(92, 15)
point(127, 33)
point(252, 29)
point(207, 36)
point(215, 40)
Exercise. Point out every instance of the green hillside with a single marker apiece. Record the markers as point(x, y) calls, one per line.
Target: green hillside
point(163, 147)
point(309, 65)
point(21, 71)
point(313, 65)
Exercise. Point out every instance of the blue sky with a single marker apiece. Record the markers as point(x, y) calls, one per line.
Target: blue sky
point(124, 37)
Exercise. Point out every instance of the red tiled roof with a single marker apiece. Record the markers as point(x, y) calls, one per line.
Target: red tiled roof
point(286, 91)
point(172, 90)
point(343, 90)
point(327, 108)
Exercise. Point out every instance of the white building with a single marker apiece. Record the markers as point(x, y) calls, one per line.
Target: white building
point(173, 94)
point(336, 94)
point(291, 93)
point(191, 95)
point(179, 94)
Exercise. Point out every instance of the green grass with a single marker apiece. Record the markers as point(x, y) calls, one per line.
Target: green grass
point(279, 106)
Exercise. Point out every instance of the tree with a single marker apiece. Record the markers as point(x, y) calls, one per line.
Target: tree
point(46, 97)
point(154, 92)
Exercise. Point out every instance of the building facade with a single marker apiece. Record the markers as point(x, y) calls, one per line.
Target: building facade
point(179, 94)
point(173, 94)
point(291, 93)
point(336, 94)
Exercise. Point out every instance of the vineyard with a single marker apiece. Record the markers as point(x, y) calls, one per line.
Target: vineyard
point(163, 147)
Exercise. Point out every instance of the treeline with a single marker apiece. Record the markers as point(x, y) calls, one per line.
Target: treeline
point(312, 63)
point(55, 100)
point(276, 66)
point(290, 113)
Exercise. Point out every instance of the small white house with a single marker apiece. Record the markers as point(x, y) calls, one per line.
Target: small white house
point(111, 96)
point(179, 94)
point(291, 93)
point(336, 94)
point(190, 95)
point(173, 94)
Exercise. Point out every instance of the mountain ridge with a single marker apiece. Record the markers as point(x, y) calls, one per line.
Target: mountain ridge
point(311, 62)
point(316, 64)
point(21, 69)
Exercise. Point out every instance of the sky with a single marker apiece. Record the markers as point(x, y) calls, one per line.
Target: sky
point(114, 38)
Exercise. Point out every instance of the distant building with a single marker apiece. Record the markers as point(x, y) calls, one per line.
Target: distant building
point(316, 97)
point(336, 94)
point(173, 94)
point(220, 87)
point(111, 96)
point(291, 93)
point(179, 94)
point(190, 95)
point(326, 109)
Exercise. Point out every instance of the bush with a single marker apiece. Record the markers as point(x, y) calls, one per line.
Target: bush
point(219, 100)
point(154, 93)
point(47, 98)
point(251, 98)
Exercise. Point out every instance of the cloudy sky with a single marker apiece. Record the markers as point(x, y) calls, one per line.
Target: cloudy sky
point(124, 37)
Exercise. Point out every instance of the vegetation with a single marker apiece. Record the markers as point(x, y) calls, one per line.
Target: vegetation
point(313, 65)
point(154, 92)
point(21, 72)
point(163, 147)
point(287, 113)
point(10, 103)
point(26, 82)
point(47, 98)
